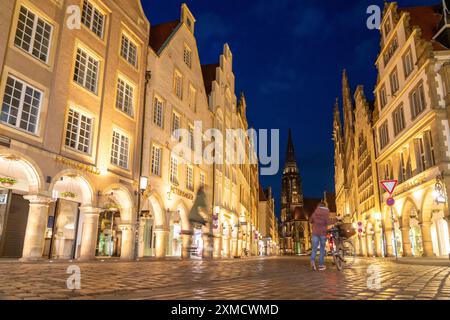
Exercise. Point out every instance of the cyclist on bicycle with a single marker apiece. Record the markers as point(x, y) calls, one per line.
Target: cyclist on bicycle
point(320, 220)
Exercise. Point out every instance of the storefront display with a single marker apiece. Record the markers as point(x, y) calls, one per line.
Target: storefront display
point(64, 233)
point(109, 234)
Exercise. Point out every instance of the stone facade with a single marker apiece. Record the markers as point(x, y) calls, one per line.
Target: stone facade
point(86, 135)
point(403, 137)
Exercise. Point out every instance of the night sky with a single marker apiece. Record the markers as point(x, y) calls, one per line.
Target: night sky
point(288, 60)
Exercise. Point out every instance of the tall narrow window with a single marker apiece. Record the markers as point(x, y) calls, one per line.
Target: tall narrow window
point(408, 64)
point(79, 131)
point(402, 168)
point(158, 112)
point(421, 155)
point(429, 149)
point(120, 149)
point(33, 34)
point(399, 120)
point(174, 170)
point(21, 105)
point(417, 100)
point(86, 71)
point(125, 97)
point(191, 138)
point(187, 56)
point(192, 97)
point(190, 178)
point(178, 84)
point(93, 18)
point(129, 51)
point(384, 135)
point(156, 160)
point(202, 179)
point(383, 98)
point(394, 82)
point(176, 124)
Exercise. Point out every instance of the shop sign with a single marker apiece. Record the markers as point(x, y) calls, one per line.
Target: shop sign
point(78, 165)
point(181, 193)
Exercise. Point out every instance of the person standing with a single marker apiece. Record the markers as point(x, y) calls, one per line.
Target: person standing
point(320, 220)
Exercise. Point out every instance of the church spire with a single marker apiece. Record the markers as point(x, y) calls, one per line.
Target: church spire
point(290, 152)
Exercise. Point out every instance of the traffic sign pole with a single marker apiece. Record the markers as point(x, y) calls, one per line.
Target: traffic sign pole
point(389, 186)
point(393, 232)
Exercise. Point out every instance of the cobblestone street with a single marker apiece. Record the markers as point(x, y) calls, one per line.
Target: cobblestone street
point(257, 278)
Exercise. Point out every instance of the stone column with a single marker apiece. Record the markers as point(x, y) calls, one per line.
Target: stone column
point(33, 245)
point(161, 237)
point(378, 243)
point(426, 239)
point(363, 246)
point(141, 237)
point(407, 249)
point(226, 246)
point(89, 232)
point(127, 251)
point(217, 247)
point(234, 247)
point(389, 248)
point(239, 248)
point(186, 243)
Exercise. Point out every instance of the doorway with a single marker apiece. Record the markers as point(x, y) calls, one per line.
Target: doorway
point(109, 238)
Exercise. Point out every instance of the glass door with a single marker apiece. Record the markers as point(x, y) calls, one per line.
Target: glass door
point(109, 234)
point(64, 232)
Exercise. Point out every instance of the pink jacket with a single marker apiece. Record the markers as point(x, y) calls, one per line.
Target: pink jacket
point(320, 220)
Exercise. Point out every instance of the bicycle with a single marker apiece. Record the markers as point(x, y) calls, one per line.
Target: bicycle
point(341, 248)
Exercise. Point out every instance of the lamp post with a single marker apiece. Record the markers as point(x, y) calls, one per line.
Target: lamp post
point(143, 183)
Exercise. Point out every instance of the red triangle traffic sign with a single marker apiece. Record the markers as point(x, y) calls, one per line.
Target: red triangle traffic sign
point(389, 185)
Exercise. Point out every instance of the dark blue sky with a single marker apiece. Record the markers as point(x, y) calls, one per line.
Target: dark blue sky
point(288, 60)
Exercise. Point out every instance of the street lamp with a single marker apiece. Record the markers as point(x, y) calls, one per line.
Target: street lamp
point(143, 184)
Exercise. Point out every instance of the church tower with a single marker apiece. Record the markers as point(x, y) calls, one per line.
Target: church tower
point(291, 189)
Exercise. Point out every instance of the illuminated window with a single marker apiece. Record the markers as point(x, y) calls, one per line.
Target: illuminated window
point(93, 18)
point(399, 120)
point(129, 51)
point(187, 56)
point(125, 97)
point(176, 124)
point(408, 63)
point(384, 135)
point(190, 178)
point(202, 179)
point(156, 160)
point(417, 100)
point(21, 105)
point(33, 34)
point(178, 84)
point(120, 149)
point(394, 82)
point(174, 169)
point(86, 71)
point(192, 97)
point(79, 131)
point(158, 112)
point(191, 138)
point(383, 98)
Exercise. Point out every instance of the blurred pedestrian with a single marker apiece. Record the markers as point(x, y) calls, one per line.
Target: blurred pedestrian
point(320, 220)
